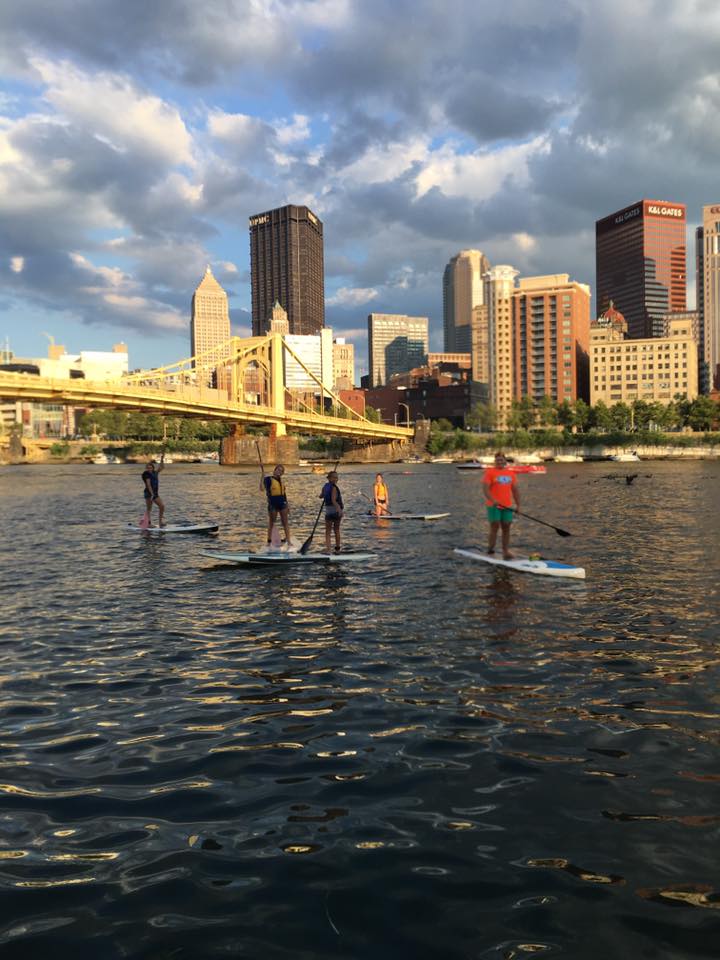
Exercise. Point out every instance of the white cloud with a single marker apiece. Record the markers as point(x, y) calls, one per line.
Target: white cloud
point(479, 175)
point(525, 241)
point(352, 296)
point(293, 131)
point(116, 111)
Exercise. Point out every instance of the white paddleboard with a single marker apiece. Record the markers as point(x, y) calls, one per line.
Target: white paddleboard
point(408, 516)
point(280, 559)
point(177, 528)
point(547, 568)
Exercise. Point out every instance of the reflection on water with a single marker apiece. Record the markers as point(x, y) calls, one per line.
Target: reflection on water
point(417, 757)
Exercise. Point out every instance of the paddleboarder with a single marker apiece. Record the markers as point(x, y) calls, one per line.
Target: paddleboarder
point(274, 489)
point(151, 486)
point(381, 496)
point(500, 487)
point(332, 498)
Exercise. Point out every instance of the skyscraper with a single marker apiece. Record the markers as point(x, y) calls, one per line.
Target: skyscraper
point(462, 292)
point(396, 344)
point(499, 286)
point(707, 281)
point(551, 329)
point(286, 265)
point(640, 261)
point(209, 322)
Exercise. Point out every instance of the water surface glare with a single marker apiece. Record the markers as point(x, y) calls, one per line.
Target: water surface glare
point(417, 757)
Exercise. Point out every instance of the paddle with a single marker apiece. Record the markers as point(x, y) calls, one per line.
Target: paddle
point(560, 532)
point(373, 502)
point(306, 546)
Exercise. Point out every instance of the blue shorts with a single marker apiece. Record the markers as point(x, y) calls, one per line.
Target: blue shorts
point(148, 495)
point(277, 503)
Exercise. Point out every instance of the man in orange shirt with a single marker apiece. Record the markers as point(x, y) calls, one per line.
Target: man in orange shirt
point(500, 486)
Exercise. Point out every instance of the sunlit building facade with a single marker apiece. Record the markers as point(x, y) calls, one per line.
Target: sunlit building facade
point(551, 333)
point(209, 327)
point(640, 260)
point(499, 288)
point(707, 279)
point(651, 369)
point(343, 364)
point(463, 290)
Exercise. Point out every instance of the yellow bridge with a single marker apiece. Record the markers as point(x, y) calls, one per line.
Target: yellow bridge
point(243, 381)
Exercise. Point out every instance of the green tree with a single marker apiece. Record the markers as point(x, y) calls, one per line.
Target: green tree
point(565, 415)
point(581, 415)
point(547, 412)
point(443, 425)
point(642, 414)
point(601, 417)
point(621, 416)
point(482, 416)
point(703, 411)
point(372, 415)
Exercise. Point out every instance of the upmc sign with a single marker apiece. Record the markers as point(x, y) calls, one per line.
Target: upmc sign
point(665, 210)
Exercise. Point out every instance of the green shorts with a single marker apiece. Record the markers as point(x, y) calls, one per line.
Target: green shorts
point(500, 514)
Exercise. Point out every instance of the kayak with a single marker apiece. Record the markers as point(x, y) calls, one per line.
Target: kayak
point(407, 516)
point(547, 568)
point(177, 528)
point(278, 559)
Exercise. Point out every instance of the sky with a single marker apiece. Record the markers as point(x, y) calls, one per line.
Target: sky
point(137, 138)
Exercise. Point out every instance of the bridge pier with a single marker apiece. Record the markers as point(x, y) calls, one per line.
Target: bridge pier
point(243, 449)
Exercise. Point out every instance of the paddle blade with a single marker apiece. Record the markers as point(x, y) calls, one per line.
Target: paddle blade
point(306, 546)
point(562, 533)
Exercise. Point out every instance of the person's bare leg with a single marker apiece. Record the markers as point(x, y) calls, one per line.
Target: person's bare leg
point(506, 541)
point(337, 536)
point(271, 523)
point(492, 536)
point(148, 510)
point(328, 528)
point(161, 510)
point(286, 526)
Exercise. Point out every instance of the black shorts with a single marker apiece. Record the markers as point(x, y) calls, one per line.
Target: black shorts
point(277, 503)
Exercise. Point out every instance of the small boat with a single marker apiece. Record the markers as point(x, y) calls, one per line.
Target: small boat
point(441, 460)
point(528, 458)
point(568, 458)
point(102, 458)
point(626, 457)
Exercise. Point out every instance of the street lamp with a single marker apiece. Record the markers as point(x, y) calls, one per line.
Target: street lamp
point(407, 415)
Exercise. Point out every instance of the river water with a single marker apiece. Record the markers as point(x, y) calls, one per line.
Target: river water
point(418, 757)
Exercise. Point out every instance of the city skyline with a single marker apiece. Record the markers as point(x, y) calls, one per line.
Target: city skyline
point(132, 154)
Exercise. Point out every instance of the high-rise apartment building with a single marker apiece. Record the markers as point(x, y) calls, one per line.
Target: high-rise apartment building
point(396, 344)
point(707, 279)
point(499, 286)
point(209, 324)
point(655, 369)
point(551, 329)
point(287, 265)
point(463, 290)
point(640, 263)
point(480, 344)
point(343, 364)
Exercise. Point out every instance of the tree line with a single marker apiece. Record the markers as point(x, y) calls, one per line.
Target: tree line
point(118, 425)
point(699, 414)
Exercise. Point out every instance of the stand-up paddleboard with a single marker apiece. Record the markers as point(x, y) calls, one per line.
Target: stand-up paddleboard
point(512, 467)
point(407, 516)
point(279, 559)
point(177, 528)
point(547, 568)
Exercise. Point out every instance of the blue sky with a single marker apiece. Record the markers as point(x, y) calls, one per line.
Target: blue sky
point(136, 139)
